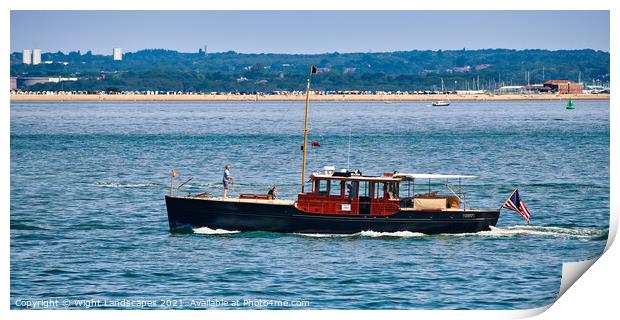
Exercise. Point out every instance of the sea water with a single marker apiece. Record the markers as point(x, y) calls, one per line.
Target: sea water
point(89, 226)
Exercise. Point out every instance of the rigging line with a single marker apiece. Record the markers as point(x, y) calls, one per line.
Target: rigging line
point(456, 194)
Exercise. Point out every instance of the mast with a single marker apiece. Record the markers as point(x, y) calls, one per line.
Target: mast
point(303, 148)
point(349, 153)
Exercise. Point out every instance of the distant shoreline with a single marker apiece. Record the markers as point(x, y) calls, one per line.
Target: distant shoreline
point(335, 97)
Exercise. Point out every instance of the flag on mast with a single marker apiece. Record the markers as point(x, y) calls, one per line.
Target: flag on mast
point(515, 203)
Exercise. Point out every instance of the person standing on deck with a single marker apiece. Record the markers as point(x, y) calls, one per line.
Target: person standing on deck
point(226, 179)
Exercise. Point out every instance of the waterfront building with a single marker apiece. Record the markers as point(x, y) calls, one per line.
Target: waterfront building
point(537, 87)
point(564, 87)
point(118, 54)
point(27, 56)
point(510, 89)
point(470, 92)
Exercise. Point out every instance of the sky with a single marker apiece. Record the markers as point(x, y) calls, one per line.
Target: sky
point(307, 31)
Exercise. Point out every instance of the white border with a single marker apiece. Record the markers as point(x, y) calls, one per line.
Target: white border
point(593, 295)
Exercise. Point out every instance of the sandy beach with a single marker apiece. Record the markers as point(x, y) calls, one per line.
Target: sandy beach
point(348, 97)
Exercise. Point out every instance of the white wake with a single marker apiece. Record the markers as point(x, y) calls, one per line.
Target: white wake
point(495, 232)
point(125, 185)
point(207, 230)
point(575, 233)
point(367, 233)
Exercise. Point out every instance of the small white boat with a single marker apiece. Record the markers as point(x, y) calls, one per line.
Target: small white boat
point(441, 103)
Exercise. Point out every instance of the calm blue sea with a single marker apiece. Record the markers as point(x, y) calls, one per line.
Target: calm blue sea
point(88, 219)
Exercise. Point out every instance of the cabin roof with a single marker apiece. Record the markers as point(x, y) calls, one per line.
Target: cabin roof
point(432, 176)
point(360, 178)
point(396, 177)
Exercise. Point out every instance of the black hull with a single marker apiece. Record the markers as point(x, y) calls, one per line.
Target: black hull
point(248, 216)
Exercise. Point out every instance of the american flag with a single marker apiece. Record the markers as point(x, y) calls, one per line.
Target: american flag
point(515, 203)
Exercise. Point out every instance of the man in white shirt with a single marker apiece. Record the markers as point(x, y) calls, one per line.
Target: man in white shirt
point(226, 179)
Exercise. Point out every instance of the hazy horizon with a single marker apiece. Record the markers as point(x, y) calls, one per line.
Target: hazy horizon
point(310, 54)
point(307, 32)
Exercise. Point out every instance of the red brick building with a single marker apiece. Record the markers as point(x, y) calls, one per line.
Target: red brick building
point(564, 86)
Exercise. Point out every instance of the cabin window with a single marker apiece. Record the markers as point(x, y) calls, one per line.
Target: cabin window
point(377, 190)
point(391, 189)
point(364, 189)
point(351, 189)
point(335, 188)
point(404, 189)
point(321, 187)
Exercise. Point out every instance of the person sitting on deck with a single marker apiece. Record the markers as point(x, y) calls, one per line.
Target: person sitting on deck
point(226, 179)
point(272, 193)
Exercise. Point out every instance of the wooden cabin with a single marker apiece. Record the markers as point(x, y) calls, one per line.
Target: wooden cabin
point(350, 193)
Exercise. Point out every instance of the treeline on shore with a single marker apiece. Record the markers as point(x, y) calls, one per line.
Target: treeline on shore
point(167, 70)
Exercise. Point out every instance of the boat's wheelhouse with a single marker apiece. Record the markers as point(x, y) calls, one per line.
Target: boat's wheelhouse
point(350, 193)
